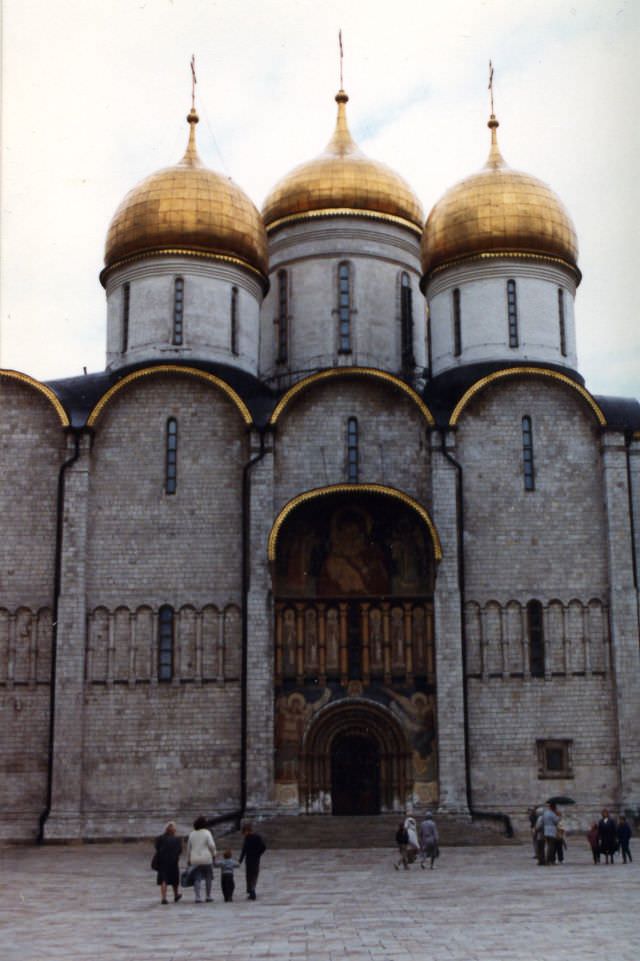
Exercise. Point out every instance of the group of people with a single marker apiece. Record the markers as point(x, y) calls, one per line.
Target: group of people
point(605, 836)
point(202, 857)
point(412, 843)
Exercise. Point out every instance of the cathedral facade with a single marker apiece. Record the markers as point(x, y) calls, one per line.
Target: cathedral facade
point(338, 530)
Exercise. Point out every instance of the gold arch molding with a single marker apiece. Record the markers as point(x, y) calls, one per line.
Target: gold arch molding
point(544, 372)
point(353, 489)
point(370, 372)
point(42, 389)
point(170, 369)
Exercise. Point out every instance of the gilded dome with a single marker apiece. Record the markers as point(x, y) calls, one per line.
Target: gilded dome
point(342, 180)
point(188, 209)
point(498, 211)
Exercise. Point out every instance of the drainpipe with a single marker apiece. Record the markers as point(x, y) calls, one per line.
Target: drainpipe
point(246, 578)
point(57, 578)
point(485, 815)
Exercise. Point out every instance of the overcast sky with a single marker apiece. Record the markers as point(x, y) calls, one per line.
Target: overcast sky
point(95, 94)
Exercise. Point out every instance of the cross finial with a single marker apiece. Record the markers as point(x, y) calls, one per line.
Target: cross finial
point(491, 86)
point(193, 81)
point(341, 57)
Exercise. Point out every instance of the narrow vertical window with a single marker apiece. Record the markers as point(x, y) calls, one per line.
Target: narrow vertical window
point(535, 626)
point(234, 320)
point(344, 309)
point(125, 317)
point(165, 643)
point(283, 318)
point(178, 310)
point(352, 450)
point(457, 330)
point(171, 469)
point(512, 308)
point(561, 323)
point(406, 321)
point(527, 454)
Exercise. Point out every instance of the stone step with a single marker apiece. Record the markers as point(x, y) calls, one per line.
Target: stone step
point(330, 831)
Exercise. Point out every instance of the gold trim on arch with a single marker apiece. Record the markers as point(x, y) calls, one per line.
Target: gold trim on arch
point(171, 369)
point(350, 372)
point(352, 489)
point(344, 212)
point(43, 389)
point(526, 372)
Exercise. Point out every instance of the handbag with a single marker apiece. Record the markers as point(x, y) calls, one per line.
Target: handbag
point(186, 878)
point(154, 862)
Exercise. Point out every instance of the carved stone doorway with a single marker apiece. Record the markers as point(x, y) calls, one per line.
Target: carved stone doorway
point(355, 775)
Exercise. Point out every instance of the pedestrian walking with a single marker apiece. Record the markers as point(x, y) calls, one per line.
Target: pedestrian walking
point(227, 866)
point(201, 850)
point(550, 818)
point(429, 840)
point(402, 841)
point(561, 843)
point(413, 844)
point(252, 850)
point(538, 836)
point(168, 849)
point(624, 836)
point(607, 836)
point(594, 842)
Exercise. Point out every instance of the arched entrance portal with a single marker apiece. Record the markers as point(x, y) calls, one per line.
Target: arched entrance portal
point(356, 760)
point(353, 576)
point(355, 775)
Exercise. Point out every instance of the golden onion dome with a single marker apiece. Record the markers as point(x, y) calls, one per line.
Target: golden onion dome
point(342, 181)
point(498, 211)
point(187, 209)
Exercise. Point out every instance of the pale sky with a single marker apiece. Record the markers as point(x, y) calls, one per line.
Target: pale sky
point(95, 95)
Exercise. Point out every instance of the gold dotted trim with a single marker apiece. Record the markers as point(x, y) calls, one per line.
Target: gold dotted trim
point(42, 389)
point(354, 489)
point(511, 254)
point(180, 252)
point(526, 372)
point(344, 212)
point(170, 369)
point(352, 372)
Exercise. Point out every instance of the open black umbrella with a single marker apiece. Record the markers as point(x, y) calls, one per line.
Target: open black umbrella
point(560, 799)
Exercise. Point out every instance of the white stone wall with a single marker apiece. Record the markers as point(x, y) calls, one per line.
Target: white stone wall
point(310, 253)
point(484, 315)
point(549, 544)
point(32, 449)
point(311, 439)
point(206, 316)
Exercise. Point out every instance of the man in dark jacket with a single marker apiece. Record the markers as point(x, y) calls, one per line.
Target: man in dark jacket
point(252, 850)
point(607, 836)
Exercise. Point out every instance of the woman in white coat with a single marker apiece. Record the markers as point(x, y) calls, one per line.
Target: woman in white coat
point(201, 850)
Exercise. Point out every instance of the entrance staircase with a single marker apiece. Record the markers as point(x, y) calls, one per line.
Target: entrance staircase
point(376, 831)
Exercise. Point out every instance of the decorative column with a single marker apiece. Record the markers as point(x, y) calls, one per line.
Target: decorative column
point(448, 633)
point(65, 819)
point(623, 611)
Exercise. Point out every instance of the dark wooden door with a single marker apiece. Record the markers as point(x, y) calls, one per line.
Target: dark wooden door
point(355, 775)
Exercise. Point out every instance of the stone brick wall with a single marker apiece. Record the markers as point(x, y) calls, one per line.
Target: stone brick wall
point(32, 449)
point(311, 439)
point(547, 544)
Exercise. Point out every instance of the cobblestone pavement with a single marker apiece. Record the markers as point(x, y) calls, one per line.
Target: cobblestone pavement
point(98, 902)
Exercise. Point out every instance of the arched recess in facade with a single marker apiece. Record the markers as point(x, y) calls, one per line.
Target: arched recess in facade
point(360, 720)
point(539, 372)
point(42, 389)
point(173, 369)
point(353, 568)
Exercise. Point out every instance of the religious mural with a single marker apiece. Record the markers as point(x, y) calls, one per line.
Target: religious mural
point(339, 546)
point(354, 620)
